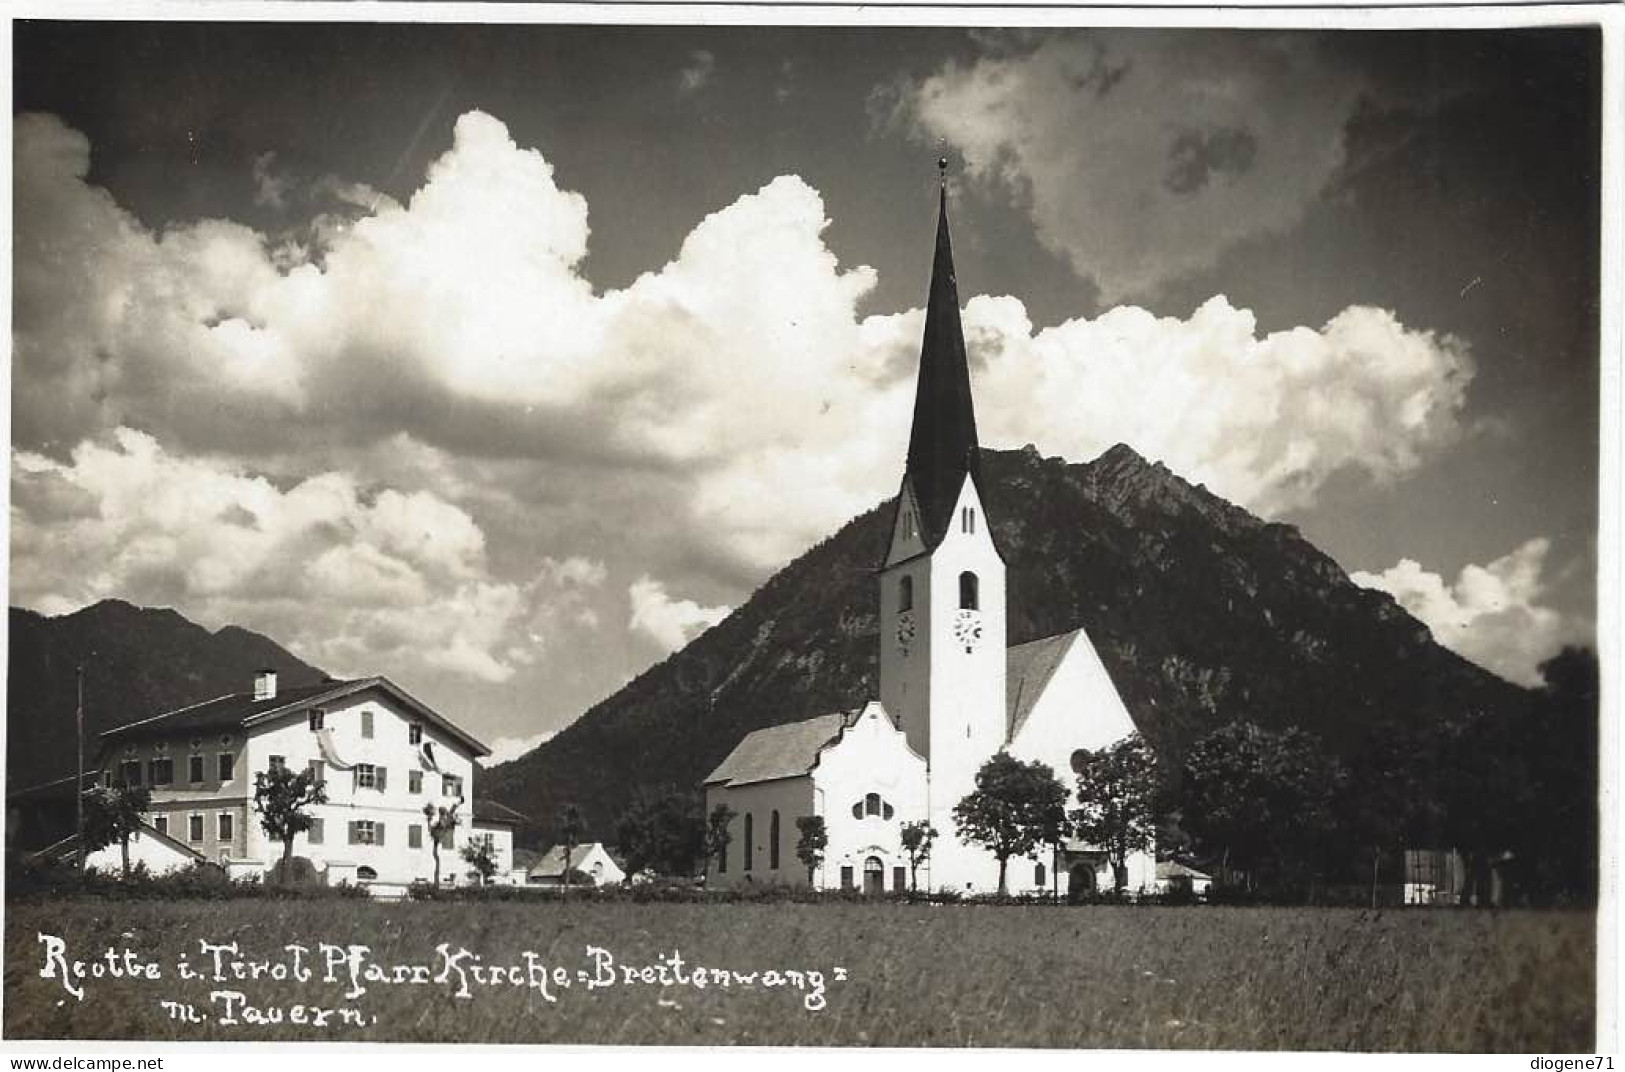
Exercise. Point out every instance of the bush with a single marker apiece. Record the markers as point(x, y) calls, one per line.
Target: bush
point(202, 881)
point(294, 871)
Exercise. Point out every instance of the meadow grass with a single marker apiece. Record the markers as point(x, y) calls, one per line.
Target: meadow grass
point(915, 975)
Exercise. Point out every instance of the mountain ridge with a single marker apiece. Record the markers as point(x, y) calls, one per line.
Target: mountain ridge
point(138, 662)
point(1202, 612)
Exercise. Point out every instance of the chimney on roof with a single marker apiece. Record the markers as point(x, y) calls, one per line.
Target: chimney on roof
point(265, 685)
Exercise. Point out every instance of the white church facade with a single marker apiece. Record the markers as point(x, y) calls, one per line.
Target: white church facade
point(952, 692)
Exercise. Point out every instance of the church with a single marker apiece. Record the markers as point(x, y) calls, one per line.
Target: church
point(952, 693)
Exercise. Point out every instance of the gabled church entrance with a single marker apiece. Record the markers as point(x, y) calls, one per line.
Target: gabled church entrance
point(874, 877)
point(1080, 881)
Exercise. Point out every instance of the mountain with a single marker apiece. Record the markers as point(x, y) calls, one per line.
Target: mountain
point(1203, 614)
point(138, 661)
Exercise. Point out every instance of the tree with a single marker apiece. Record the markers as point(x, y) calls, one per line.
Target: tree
point(1381, 803)
point(664, 833)
point(1555, 832)
point(812, 843)
point(1117, 795)
point(717, 834)
point(442, 821)
point(1011, 809)
point(571, 828)
point(481, 859)
point(113, 813)
point(1261, 800)
point(282, 798)
point(917, 838)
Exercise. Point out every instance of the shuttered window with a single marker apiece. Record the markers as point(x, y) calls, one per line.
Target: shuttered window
point(315, 832)
point(366, 723)
point(414, 836)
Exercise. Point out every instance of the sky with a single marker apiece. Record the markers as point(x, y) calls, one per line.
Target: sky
point(503, 360)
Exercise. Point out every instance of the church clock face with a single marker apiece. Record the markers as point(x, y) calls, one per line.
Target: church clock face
point(968, 629)
point(905, 632)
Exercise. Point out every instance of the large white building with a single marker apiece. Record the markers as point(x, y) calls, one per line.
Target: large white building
point(382, 755)
point(952, 692)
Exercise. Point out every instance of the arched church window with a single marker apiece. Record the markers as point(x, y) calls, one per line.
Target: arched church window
point(905, 594)
point(873, 804)
point(750, 837)
point(969, 596)
point(773, 841)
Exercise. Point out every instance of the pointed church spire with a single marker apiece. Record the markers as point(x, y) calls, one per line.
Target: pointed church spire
point(942, 446)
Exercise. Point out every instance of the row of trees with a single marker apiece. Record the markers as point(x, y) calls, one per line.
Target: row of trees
point(1270, 808)
point(1265, 808)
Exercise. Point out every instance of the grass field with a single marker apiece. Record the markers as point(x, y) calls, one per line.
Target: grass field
point(1093, 977)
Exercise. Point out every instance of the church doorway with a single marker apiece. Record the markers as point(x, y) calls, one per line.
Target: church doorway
point(1080, 882)
point(874, 877)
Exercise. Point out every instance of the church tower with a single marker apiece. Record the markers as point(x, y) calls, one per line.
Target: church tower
point(942, 591)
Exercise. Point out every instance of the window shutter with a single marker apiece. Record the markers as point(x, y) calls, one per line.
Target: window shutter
point(377, 833)
point(381, 778)
point(355, 778)
point(355, 832)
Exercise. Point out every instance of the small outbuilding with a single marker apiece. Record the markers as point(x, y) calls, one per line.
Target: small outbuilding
point(591, 860)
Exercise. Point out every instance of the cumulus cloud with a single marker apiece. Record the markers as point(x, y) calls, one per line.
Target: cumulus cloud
point(270, 186)
point(671, 623)
point(506, 749)
point(1144, 155)
point(348, 578)
point(430, 398)
point(1263, 420)
point(697, 72)
point(1492, 615)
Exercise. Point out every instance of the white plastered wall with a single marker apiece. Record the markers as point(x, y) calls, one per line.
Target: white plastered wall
point(872, 756)
point(395, 806)
point(1080, 708)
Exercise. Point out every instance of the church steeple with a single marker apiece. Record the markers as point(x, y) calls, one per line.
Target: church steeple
point(942, 446)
